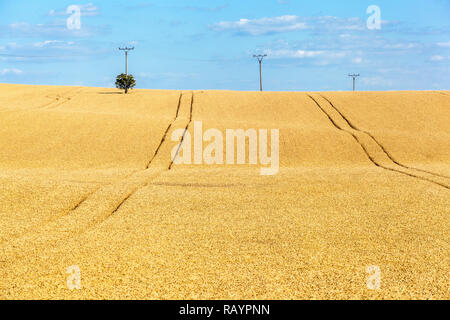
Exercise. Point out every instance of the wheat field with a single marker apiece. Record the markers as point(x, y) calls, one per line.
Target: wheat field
point(87, 180)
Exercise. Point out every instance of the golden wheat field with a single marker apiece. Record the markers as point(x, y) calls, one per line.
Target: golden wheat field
point(364, 180)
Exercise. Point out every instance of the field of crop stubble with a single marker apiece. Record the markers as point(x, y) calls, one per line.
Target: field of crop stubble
point(364, 180)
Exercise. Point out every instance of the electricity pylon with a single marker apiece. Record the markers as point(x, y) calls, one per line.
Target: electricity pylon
point(126, 49)
point(354, 76)
point(260, 58)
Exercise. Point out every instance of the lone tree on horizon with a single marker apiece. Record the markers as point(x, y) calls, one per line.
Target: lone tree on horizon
point(125, 82)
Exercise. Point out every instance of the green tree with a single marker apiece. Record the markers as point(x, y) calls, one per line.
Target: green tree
point(125, 82)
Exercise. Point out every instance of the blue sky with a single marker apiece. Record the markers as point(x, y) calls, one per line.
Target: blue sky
point(208, 44)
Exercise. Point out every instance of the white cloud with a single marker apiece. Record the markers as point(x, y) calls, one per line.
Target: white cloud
point(50, 50)
point(345, 36)
point(332, 24)
point(86, 10)
point(357, 60)
point(56, 44)
point(287, 53)
point(12, 45)
point(262, 26)
point(286, 23)
point(402, 45)
point(89, 10)
point(46, 43)
point(13, 71)
point(439, 58)
point(310, 56)
point(56, 29)
point(444, 44)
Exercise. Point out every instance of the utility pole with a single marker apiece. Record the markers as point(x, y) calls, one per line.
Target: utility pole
point(126, 49)
point(260, 58)
point(354, 76)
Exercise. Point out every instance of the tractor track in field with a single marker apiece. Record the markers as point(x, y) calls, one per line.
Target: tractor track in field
point(163, 139)
point(36, 108)
point(67, 99)
point(184, 133)
point(172, 161)
point(47, 221)
point(165, 133)
point(370, 156)
point(49, 105)
point(59, 100)
point(114, 208)
point(388, 154)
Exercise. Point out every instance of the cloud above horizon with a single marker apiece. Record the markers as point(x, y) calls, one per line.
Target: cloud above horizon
point(261, 26)
point(13, 71)
point(289, 23)
point(86, 10)
point(55, 29)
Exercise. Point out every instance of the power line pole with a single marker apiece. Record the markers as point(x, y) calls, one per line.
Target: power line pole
point(354, 76)
point(260, 58)
point(126, 49)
